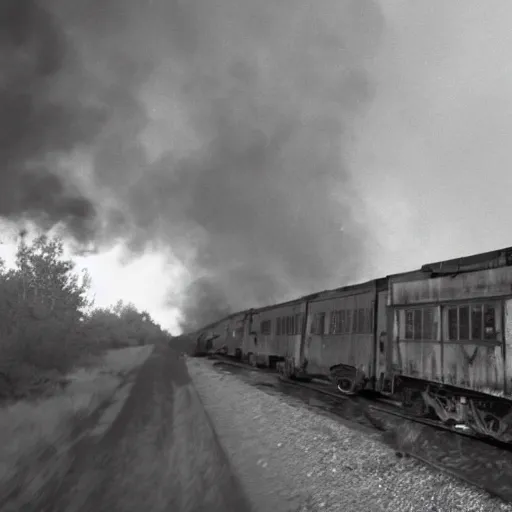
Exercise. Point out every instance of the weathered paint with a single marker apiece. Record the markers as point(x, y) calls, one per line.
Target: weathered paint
point(420, 359)
point(357, 350)
point(473, 366)
point(383, 355)
point(477, 365)
point(508, 346)
point(475, 285)
point(416, 358)
point(264, 346)
point(234, 332)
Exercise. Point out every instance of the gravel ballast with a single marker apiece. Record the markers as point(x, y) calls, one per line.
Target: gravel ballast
point(291, 459)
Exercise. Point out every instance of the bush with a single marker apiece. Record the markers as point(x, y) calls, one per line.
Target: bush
point(47, 324)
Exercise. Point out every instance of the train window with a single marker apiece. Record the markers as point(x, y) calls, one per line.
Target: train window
point(489, 322)
point(321, 323)
point(265, 327)
point(349, 321)
point(354, 321)
point(476, 322)
point(464, 323)
point(318, 325)
point(453, 321)
point(333, 328)
point(417, 324)
point(409, 325)
point(428, 324)
point(360, 321)
point(298, 324)
point(343, 322)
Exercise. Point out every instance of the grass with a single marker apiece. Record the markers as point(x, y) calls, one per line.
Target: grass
point(29, 428)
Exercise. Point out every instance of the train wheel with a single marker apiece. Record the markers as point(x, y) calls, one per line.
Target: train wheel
point(413, 402)
point(346, 386)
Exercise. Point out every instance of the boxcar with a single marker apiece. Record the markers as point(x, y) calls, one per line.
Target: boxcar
point(234, 332)
point(452, 341)
point(274, 333)
point(340, 336)
point(211, 337)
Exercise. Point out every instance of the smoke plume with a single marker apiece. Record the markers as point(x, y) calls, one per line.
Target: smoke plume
point(216, 129)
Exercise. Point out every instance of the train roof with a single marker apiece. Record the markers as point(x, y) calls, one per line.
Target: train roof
point(482, 261)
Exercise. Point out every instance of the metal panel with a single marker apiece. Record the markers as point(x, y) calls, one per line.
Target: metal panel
point(475, 285)
point(354, 349)
point(234, 333)
point(507, 372)
point(473, 366)
point(420, 358)
point(383, 354)
point(283, 345)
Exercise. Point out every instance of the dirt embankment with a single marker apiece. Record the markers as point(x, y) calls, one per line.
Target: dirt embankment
point(160, 453)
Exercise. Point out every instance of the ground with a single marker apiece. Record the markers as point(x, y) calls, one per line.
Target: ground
point(183, 436)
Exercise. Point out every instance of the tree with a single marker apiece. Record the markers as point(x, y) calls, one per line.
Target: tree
point(42, 303)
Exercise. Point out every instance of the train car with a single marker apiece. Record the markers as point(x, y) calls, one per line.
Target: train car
point(451, 341)
point(340, 337)
point(210, 338)
point(234, 334)
point(340, 340)
point(274, 333)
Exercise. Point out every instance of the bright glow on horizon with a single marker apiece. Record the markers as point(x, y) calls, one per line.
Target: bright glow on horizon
point(145, 282)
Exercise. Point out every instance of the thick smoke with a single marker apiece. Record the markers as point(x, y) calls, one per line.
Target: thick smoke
point(250, 189)
point(37, 122)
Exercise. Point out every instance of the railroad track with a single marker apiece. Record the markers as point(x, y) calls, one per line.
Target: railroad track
point(392, 409)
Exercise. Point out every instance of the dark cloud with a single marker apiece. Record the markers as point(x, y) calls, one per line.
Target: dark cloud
point(262, 206)
point(35, 126)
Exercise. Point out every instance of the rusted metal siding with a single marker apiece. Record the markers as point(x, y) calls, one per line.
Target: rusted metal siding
point(507, 324)
point(235, 333)
point(272, 344)
point(473, 366)
point(384, 356)
point(475, 285)
point(473, 362)
point(355, 349)
point(420, 358)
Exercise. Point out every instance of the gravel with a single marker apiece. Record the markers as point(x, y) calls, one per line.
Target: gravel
point(290, 459)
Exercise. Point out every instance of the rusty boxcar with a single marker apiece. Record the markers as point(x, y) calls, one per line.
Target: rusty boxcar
point(451, 341)
point(274, 332)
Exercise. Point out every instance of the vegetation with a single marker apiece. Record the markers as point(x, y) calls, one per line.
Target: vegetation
point(48, 326)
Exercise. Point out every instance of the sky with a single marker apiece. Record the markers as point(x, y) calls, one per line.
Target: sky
point(207, 156)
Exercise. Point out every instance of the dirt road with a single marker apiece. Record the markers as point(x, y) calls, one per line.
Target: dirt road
point(160, 454)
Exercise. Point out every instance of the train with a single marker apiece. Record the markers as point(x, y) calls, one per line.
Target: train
point(437, 339)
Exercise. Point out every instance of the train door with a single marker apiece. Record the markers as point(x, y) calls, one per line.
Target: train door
point(382, 350)
point(508, 347)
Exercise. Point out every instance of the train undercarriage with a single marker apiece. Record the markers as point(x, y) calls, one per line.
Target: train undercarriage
point(485, 414)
